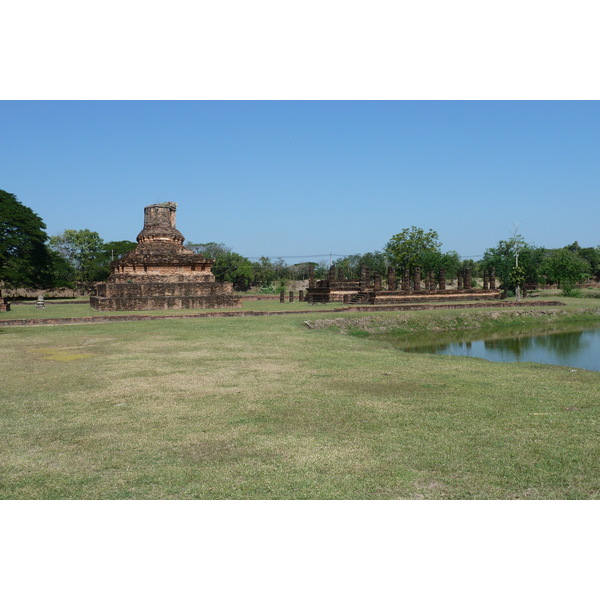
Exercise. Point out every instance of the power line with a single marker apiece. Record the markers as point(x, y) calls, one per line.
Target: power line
point(276, 256)
point(299, 256)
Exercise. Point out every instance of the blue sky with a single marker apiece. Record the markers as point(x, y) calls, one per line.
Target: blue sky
point(303, 178)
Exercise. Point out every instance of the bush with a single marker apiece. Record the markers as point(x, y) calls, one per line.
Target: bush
point(570, 291)
point(267, 289)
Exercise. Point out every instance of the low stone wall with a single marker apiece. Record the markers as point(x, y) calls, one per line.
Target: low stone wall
point(158, 289)
point(396, 298)
point(34, 293)
point(254, 297)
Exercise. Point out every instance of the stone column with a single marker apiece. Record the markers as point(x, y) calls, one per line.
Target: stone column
point(282, 296)
point(486, 280)
point(468, 280)
point(492, 278)
point(391, 279)
point(331, 274)
point(459, 281)
point(442, 279)
point(301, 296)
point(291, 296)
point(417, 284)
point(40, 302)
point(364, 277)
point(431, 281)
point(377, 284)
point(311, 276)
point(406, 281)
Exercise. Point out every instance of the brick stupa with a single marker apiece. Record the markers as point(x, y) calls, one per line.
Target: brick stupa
point(160, 273)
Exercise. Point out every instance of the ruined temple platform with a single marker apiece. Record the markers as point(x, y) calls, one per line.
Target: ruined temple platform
point(161, 274)
point(395, 297)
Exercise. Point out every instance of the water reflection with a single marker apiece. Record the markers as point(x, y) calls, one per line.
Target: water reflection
point(560, 344)
point(573, 347)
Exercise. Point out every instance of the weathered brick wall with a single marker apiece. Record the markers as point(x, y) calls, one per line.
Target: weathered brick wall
point(424, 296)
point(161, 274)
point(152, 288)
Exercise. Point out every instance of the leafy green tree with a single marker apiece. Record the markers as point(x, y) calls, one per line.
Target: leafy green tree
point(321, 269)
point(267, 271)
point(591, 255)
point(100, 266)
point(209, 249)
point(565, 267)
point(115, 250)
point(298, 271)
point(414, 247)
point(450, 261)
point(503, 258)
point(350, 266)
point(234, 268)
point(25, 260)
point(62, 272)
point(228, 265)
point(82, 249)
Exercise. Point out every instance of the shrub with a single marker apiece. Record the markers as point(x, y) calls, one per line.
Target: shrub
point(267, 289)
point(570, 291)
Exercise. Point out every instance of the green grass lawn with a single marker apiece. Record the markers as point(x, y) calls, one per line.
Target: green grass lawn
point(267, 408)
point(57, 309)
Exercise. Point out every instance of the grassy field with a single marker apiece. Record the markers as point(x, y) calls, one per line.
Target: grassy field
point(56, 309)
point(273, 408)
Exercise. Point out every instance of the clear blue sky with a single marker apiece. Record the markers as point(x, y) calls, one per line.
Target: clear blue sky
point(302, 178)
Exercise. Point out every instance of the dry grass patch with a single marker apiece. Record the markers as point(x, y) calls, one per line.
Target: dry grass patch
point(266, 408)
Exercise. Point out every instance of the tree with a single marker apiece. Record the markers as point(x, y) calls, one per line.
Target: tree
point(591, 255)
point(413, 247)
point(504, 257)
point(266, 271)
point(228, 265)
point(450, 262)
point(62, 272)
point(115, 250)
point(209, 249)
point(350, 265)
point(24, 257)
point(565, 267)
point(234, 268)
point(82, 249)
point(100, 266)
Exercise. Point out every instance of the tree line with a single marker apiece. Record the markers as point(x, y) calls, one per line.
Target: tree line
point(29, 258)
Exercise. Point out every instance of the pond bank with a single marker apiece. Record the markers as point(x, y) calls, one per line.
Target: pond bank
point(540, 319)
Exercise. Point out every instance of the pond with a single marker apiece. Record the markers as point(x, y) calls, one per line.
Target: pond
point(577, 348)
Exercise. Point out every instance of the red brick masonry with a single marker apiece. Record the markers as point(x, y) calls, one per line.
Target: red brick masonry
point(159, 273)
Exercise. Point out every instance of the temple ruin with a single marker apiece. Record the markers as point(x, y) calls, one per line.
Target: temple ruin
point(159, 273)
point(414, 287)
point(4, 305)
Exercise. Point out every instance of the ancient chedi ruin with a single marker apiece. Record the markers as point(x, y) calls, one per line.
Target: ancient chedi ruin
point(159, 273)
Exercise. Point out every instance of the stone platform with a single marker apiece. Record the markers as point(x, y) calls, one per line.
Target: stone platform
point(161, 274)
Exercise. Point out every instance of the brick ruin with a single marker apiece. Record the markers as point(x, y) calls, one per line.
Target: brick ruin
point(159, 273)
point(415, 286)
point(4, 305)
